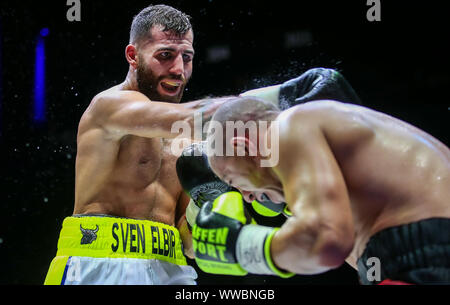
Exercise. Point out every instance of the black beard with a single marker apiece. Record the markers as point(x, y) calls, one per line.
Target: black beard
point(147, 84)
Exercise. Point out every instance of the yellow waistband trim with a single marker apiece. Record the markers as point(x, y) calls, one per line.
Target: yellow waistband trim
point(114, 237)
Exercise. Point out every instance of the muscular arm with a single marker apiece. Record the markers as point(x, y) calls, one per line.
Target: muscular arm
point(132, 113)
point(319, 235)
point(182, 225)
point(111, 116)
point(269, 94)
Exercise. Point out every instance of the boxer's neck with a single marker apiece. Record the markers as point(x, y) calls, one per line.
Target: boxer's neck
point(130, 82)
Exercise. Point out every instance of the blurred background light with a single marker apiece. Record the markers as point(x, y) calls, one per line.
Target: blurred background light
point(39, 78)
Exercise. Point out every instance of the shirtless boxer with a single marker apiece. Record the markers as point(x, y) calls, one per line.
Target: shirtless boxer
point(360, 184)
point(129, 206)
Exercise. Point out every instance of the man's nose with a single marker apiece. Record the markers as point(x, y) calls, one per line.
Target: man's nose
point(261, 197)
point(248, 196)
point(177, 67)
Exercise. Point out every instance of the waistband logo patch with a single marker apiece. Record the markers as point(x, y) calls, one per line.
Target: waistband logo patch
point(89, 235)
point(132, 239)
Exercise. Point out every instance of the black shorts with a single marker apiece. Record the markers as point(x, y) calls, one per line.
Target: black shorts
point(416, 253)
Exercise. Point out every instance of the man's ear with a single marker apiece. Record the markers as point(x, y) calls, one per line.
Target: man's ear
point(131, 55)
point(244, 146)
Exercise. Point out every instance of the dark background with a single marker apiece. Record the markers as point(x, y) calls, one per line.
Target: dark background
point(399, 66)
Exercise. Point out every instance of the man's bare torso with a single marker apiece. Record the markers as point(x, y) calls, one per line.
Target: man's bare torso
point(128, 177)
point(394, 173)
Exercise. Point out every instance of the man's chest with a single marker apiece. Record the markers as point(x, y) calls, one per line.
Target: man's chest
point(147, 161)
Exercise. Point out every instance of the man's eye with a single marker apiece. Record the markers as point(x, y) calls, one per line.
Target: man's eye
point(187, 58)
point(164, 55)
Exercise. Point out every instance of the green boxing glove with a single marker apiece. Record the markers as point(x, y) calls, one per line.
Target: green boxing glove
point(227, 241)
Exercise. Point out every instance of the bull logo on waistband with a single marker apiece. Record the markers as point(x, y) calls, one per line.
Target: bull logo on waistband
point(89, 235)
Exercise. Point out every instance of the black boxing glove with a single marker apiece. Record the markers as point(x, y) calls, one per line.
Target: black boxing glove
point(197, 179)
point(202, 185)
point(314, 84)
point(317, 84)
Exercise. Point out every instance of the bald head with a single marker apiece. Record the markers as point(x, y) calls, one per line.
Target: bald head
point(239, 119)
point(245, 109)
point(243, 141)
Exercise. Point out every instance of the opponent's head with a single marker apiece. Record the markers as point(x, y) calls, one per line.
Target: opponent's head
point(240, 138)
point(160, 52)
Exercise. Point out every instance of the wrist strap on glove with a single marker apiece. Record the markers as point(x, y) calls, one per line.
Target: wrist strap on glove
point(253, 251)
point(191, 213)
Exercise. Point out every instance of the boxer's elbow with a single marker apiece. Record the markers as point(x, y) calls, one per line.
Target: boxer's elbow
point(317, 248)
point(336, 241)
point(326, 253)
point(324, 245)
point(332, 249)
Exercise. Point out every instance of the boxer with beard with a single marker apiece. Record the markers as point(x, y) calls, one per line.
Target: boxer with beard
point(128, 224)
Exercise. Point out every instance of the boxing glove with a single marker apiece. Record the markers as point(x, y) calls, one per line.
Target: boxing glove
point(314, 84)
point(317, 84)
point(226, 240)
point(201, 184)
point(197, 179)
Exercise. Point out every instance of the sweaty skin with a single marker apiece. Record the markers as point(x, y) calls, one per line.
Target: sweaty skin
point(124, 165)
point(346, 172)
point(121, 172)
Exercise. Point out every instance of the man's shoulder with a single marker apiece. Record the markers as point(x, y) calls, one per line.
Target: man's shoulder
point(319, 111)
point(111, 99)
point(116, 94)
point(304, 122)
point(105, 102)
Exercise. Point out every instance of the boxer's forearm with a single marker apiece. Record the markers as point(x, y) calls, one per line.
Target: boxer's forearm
point(201, 113)
point(186, 237)
point(157, 119)
point(303, 247)
point(269, 94)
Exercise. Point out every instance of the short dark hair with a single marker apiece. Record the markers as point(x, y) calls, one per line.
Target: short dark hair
point(170, 18)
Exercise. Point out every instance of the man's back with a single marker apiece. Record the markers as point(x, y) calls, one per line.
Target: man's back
point(394, 173)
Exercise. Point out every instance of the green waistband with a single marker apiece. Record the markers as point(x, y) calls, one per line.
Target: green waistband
point(114, 237)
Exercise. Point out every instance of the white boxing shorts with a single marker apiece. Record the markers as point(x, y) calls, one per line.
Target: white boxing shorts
point(106, 250)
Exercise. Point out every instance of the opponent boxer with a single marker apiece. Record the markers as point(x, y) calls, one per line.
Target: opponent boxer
point(361, 185)
point(129, 206)
point(203, 185)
